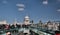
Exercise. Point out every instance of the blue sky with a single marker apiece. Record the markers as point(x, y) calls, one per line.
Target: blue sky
point(34, 8)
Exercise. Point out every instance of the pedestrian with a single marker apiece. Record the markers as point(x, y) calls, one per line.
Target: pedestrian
point(8, 33)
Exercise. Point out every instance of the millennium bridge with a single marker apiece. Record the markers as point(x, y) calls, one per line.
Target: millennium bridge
point(37, 30)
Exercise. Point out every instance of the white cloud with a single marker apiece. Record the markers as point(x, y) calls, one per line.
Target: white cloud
point(58, 10)
point(45, 2)
point(4, 1)
point(20, 9)
point(58, 0)
point(20, 5)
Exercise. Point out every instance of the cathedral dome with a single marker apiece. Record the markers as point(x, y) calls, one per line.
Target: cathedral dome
point(26, 16)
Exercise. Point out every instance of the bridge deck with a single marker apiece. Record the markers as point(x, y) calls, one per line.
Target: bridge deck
point(36, 30)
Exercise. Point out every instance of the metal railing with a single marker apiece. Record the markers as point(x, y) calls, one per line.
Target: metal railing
point(37, 30)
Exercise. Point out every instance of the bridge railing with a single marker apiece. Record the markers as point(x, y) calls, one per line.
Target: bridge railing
point(39, 30)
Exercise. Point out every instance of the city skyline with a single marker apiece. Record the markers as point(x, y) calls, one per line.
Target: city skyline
point(35, 9)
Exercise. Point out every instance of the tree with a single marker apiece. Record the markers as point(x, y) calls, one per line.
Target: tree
point(32, 21)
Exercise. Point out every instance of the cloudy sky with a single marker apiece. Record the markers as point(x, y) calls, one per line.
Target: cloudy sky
point(37, 10)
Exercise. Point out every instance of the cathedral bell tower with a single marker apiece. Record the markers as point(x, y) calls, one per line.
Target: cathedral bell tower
point(26, 20)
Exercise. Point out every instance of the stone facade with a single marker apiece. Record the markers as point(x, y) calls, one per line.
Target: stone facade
point(53, 26)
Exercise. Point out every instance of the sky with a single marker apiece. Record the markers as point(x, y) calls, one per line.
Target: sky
point(35, 9)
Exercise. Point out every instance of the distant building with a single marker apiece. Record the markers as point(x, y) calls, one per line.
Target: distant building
point(26, 20)
point(53, 26)
point(3, 22)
